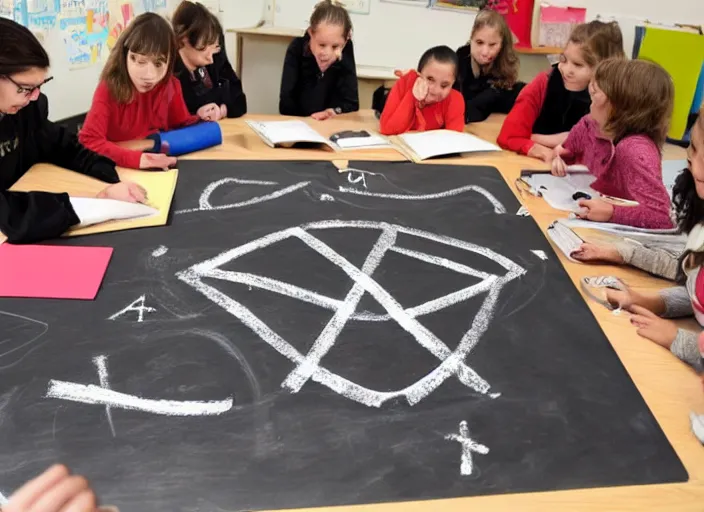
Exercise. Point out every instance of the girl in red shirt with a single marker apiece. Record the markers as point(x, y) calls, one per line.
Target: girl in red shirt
point(549, 106)
point(137, 96)
point(424, 99)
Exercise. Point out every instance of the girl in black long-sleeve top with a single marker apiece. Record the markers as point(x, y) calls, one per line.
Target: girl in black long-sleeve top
point(207, 78)
point(320, 76)
point(27, 137)
point(488, 68)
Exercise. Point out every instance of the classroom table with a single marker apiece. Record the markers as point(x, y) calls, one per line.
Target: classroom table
point(670, 388)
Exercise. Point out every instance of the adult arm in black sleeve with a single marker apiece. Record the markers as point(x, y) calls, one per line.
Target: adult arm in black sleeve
point(29, 217)
point(288, 105)
point(234, 99)
point(347, 87)
point(60, 147)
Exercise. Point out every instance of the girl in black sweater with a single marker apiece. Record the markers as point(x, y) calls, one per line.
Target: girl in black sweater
point(209, 83)
point(27, 137)
point(488, 69)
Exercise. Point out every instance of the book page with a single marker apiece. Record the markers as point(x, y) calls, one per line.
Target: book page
point(289, 131)
point(445, 142)
point(558, 191)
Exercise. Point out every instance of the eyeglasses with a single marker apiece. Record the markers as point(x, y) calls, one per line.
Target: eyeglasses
point(27, 91)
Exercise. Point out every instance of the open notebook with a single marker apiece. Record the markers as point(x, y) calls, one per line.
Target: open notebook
point(287, 133)
point(564, 193)
point(423, 145)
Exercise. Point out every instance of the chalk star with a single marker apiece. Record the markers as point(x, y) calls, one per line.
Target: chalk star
point(468, 446)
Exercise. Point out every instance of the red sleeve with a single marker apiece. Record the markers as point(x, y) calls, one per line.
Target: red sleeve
point(518, 125)
point(641, 161)
point(401, 107)
point(454, 116)
point(94, 133)
point(179, 115)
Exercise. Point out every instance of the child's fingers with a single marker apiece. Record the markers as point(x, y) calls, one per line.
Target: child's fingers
point(641, 322)
point(25, 497)
point(84, 502)
point(61, 494)
point(641, 311)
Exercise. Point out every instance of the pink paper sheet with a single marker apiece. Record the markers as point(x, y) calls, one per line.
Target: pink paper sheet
point(52, 272)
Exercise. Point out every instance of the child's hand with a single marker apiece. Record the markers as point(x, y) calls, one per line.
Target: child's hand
point(124, 191)
point(541, 153)
point(593, 252)
point(156, 161)
point(210, 112)
point(596, 210)
point(223, 111)
point(324, 114)
point(55, 490)
point(559, 167)
point(652, 327)
point(420, 89)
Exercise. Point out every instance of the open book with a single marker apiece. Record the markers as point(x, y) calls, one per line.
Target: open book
point(288, 133)
point(423, 145)
point(564, 193)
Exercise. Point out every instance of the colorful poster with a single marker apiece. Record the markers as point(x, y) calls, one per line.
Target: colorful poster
point(459, 5)
point(84, 30)
point(120, 15)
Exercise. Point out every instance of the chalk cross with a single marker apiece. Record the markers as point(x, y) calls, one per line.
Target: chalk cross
point(468, 446)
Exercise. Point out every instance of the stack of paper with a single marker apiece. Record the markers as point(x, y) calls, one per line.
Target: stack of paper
point(423, 145)
point(278, 133)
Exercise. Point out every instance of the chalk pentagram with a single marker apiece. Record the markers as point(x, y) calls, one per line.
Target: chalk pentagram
point(308, 365)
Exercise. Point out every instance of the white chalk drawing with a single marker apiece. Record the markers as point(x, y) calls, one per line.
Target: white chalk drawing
point(498, 206)
point(103, 395)
point(160, 251)
point(3, 500)
point(101, 362)
point(540, 254)
point(355, 177)
point(308, 366)
point(326, 197)
point(137, 306)
point(11, 354)
point(523, 212)
point(204, 201)
point(468, 446)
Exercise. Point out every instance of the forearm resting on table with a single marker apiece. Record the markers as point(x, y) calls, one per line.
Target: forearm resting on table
point(137, 144)
point(549, 141)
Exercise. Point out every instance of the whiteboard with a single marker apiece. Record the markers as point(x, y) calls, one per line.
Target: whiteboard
point(393, 34)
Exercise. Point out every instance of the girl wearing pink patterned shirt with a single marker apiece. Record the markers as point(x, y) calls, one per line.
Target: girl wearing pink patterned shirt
point(620, 141)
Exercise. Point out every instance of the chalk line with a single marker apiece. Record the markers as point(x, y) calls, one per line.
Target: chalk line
point(15, 349)
point(101, 363)
point(326, 339)
point(204, 201)
point(326, 197)
point(468, 446)
point(498, 206)
point(3, 500)
point(160, 251)
point(540, 254)
point(95, 395)
point(452, 362)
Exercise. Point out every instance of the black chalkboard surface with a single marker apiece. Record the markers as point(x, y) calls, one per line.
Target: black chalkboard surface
point(300, 337)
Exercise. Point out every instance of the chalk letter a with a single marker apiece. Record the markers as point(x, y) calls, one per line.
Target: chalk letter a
point(137, 306)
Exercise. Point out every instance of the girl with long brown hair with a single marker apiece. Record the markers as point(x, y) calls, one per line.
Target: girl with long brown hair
point(488, 68)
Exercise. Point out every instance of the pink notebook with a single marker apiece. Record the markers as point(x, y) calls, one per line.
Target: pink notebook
point(52, 272)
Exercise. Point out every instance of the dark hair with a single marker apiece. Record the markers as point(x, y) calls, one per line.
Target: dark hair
point(332, 13)
point(19, 49)
point(149, 34)
point(689, 207)
point(442, 54)
point(197, 24)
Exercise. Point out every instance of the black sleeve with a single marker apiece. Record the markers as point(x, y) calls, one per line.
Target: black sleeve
point(29, 217)
point(189, 95)
point(234, 99)
point(347, 87)
point(60, 147)
point(479, 107)
point(288, 106)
